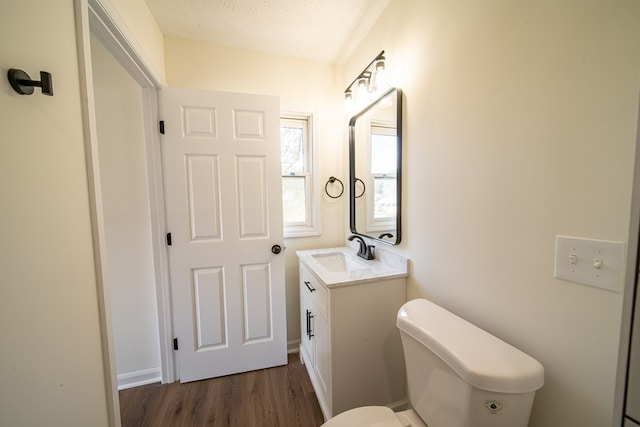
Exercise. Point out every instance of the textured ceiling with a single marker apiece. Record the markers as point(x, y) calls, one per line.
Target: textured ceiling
point(319, 30)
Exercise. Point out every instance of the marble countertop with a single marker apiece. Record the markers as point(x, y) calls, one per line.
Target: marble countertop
point(386, 265)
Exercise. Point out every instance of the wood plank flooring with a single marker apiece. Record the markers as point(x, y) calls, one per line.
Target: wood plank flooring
point(275, 397)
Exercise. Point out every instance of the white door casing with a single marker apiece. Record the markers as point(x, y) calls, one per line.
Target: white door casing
point(224, 211)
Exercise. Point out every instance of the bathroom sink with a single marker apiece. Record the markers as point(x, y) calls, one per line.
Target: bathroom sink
point(338, 261)
point(341, 266)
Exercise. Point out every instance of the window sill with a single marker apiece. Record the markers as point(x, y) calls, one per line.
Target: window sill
point(301, 233)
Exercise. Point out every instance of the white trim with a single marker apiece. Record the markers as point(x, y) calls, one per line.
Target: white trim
point(138, 378)
point(107, 24)
point(630, 287)
point(158, 230)
point(95, 201)
point(100, 18)
point(293, 346)
point(312, 227)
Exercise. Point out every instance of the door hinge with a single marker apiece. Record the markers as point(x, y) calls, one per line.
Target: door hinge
point(168, 239)
point(175, 344)
point(162, 127)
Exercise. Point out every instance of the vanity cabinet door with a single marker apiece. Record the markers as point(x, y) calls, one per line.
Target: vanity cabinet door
point(322, 365)
point(307, 351)
point(315, 337)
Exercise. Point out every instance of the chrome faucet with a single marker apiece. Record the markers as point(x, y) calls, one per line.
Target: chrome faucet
point(365, 251)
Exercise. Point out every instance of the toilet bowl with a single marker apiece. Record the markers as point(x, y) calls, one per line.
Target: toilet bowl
point(458, 375)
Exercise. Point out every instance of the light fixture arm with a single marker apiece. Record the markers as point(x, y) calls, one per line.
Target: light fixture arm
point(365, 73)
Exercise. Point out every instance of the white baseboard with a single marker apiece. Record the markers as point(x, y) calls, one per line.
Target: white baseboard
point(138, 378)
point(293, 346)
point(154, 375)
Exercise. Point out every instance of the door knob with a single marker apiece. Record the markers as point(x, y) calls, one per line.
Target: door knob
point(276, 249)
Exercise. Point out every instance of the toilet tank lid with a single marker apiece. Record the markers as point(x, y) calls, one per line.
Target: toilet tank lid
point(479, 358)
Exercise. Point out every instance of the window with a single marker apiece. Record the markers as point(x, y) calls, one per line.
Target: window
point(298, 200)
point(383, 176)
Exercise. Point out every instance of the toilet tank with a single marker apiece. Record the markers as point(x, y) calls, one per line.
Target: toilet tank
point(459, 375)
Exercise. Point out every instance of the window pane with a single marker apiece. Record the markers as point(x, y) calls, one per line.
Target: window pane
point(384, 203)
point(293, 200)
point(292, 148)
point(384, 154)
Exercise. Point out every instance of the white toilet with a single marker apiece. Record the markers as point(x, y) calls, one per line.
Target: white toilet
point(458, 376)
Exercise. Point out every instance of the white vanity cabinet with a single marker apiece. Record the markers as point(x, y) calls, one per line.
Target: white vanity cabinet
point(314, 327)
point(349, 341)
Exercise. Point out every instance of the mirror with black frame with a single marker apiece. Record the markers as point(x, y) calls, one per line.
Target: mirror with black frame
point(375, 166)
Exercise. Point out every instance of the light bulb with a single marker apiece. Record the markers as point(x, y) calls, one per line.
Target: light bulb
point(348, 96)
point(378, 78)
point(348, 100)
point(361, 93)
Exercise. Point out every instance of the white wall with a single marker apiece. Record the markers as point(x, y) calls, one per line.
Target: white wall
point(125, 200)
point(51, 371)
point(520, 124)
point(303, 86)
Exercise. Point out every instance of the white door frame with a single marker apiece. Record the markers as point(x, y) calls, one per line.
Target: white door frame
point(100, 18)
point(631, 278)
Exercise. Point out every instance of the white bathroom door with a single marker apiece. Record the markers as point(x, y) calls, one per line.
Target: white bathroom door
point(223, 188)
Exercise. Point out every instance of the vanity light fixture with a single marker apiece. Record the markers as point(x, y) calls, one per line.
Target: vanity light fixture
point(368, 83)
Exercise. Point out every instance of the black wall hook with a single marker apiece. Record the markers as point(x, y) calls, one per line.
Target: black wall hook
point(22, 83)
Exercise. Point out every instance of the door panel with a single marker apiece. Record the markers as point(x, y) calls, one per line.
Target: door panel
point(199, 122)
point(257, 304)
point(204, 196)
point(208, 292)
point(224, 210)
point(252, 202)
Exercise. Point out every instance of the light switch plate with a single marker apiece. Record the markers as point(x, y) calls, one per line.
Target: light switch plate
point(598, 263)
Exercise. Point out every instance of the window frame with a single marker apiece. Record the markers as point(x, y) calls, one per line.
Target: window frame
point(311, 225)
point(377, 127)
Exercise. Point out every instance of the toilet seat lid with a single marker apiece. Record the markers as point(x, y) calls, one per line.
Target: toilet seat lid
point(366, 416)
